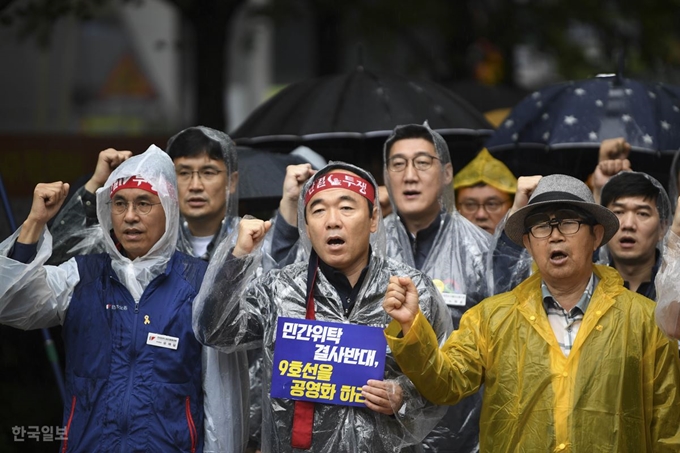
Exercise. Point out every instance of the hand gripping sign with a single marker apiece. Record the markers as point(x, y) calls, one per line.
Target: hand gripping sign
point(326, 362)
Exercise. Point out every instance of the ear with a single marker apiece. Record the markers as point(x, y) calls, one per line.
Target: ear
point(448, 174)
point(374, 220)
point(527, 244)
point(233, 182)
point(598, 232)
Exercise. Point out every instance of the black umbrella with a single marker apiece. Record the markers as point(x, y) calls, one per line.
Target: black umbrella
point(349, 116)
point(260, 182)
point(559, 128)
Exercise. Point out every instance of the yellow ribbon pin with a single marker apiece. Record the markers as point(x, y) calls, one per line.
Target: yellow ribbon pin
point(146, 319)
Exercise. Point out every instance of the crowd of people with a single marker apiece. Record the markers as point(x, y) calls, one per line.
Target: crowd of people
point(538, 313)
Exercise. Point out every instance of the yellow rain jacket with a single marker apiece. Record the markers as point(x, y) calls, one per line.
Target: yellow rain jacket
point(616, 392)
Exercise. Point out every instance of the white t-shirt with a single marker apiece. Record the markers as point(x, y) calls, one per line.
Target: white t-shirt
point(200, 244)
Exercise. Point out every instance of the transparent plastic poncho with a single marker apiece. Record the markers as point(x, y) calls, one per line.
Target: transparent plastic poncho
point(75, 233)
point(458, 264)
point(237, 310)
point(49, 288)
point(230, 158)
point(157, 168)
point(668, 288)
point(673, 192)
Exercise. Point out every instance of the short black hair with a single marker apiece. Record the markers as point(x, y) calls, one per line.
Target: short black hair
point(194, 142)
point(408, 132)
point(628, 184)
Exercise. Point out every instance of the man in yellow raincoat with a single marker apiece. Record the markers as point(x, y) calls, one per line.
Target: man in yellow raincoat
point(571, 360)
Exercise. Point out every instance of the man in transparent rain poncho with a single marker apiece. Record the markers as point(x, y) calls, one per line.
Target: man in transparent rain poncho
point(133, 365)
point(343, 281)
point(427, 232)
point(571, 360)
point(206, 168)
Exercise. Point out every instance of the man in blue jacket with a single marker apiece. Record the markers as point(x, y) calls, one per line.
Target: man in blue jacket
point(133, 365)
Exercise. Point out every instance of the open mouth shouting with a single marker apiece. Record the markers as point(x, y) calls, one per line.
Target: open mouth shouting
point(627, 242)
point(335, 242)
point(411, 194)
point(558, 257)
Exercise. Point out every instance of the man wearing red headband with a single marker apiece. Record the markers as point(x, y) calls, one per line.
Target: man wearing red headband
point(206, 168)
point(134, 370)
point(344, 281)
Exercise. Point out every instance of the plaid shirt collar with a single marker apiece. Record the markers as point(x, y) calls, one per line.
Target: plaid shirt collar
point(581, 306)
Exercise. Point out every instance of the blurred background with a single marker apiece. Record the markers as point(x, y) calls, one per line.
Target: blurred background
point(79, 76)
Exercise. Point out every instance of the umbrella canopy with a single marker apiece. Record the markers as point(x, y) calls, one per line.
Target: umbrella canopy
point(577, 115)
point(260, 182)
point(346, 116)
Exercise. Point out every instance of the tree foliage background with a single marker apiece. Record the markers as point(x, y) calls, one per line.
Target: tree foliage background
point(442, 41)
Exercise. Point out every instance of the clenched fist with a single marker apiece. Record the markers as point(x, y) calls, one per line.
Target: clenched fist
point(47, 199)
point(296, 176)
point(401, 301)
point(251, 231)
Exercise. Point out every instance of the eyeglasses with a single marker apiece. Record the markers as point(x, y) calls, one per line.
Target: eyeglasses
point(565, 226)
point(490, 206)
point(421, 162)
point(204, 174)
point(122, 206)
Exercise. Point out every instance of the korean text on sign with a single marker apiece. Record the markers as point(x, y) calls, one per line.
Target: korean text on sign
point(326, 362)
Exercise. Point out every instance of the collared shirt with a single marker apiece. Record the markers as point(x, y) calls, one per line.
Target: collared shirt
point(565, 324)
point(421, 242)
point(347, 293)
point(647, 289)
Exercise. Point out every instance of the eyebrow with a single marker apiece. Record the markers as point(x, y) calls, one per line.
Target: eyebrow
point(418, 154)
point(142, 197)
point(202, 167)
point(347, 198)
point(637, 205)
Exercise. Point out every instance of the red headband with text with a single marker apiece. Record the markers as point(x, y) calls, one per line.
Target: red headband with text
point(133, 182)
point(342, 181)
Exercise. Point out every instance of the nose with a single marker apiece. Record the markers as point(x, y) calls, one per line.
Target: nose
point(333, 219)
point(410, 172)
point(627, 220)
point(481, 213)
point(555, 234)
point(131, 215)
point(195, 183)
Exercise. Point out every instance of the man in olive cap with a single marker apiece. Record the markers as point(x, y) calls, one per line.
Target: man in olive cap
point(570, 359)
point(484, 191)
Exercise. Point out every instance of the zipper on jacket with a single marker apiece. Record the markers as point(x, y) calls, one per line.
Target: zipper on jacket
point(190, 422)
point(68, 424)
point(130, 382)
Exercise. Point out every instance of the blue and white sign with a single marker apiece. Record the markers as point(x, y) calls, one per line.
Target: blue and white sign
point(326, 362)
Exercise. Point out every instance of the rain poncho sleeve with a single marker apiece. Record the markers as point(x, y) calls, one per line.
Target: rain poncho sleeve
point(75, 228)
point(285, 245)
point(236, 311)
point(511, 263)
point(538, 398)
point(668, 288)
point(34, 295)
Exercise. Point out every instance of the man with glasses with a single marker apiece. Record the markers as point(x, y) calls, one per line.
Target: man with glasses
point(426, 232)
point(570, 359)
point(206, 170)
point(484, 191)
point(134, 371)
